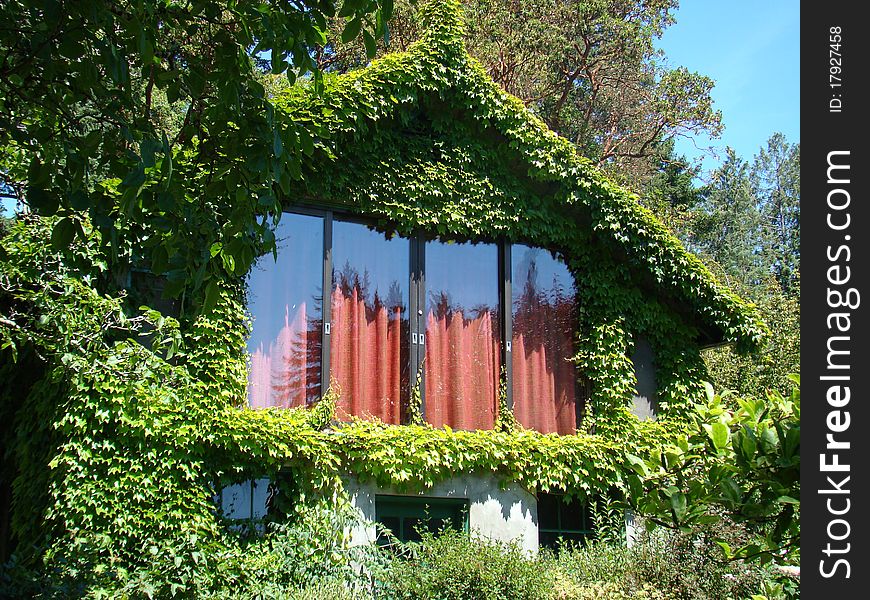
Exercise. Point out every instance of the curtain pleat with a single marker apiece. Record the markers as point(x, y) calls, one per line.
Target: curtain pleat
point(462, 371)
point(544, 389)
point(366, 359)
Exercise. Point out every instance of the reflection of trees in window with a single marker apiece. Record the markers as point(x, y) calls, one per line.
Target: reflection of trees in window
point(349, 281)
point(443, 308)
point(463, 363)
point(543, 315)
point(296, 378)
point(286, 302)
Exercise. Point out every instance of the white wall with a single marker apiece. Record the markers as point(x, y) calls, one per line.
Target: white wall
point(505, 515)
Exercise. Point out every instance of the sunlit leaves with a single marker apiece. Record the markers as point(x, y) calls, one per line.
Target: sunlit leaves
point(743, 458)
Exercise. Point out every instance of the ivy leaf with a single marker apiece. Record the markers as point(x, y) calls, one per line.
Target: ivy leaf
point(212, 293)
point(719, 434)
point(347, 8)
point(678, 505)
point(387, 10)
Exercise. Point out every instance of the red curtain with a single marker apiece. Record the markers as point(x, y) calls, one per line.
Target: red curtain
point(462, 370)
point(287, 374)
point(366, 357)
point(544, 382)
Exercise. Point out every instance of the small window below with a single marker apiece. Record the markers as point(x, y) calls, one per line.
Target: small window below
point(562, 520)
point(407, 516)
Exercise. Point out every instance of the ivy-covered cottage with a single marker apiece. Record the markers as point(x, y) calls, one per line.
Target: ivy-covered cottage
point(448, 263)
point(463, 323)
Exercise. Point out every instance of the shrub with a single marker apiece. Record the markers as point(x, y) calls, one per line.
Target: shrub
point(308, 557)
point(659, 565)
point(452, 565)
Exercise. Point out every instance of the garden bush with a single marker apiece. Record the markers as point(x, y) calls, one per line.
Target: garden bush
point(660, 564)
point(453, 566)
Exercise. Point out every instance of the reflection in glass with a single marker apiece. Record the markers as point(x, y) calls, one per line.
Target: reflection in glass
point(284, 299)
point(462, 359)
point(369, 338)
point(543, 314)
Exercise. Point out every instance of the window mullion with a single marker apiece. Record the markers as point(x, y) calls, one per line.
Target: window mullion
point(504, 274)
point(420, 315)
point(326, 308)
point(412, 315)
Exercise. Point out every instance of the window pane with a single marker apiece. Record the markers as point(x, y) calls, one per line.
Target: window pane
point(407, 516)
point(462, 358)
point(573, 513)
point(543, 313)
point(548, 511)
point(284, 299)
point(369, 338)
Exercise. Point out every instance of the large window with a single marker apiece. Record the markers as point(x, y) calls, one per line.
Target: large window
point(451, 317)
point(462, 337)
point(368, 339)
point(542, 331)
point(285, 298)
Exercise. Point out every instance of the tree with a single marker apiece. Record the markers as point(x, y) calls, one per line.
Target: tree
point(589, 69)
point(727, 226)
point(768, 369)
point(775, 179)
point(148, 118)
point(672, 192)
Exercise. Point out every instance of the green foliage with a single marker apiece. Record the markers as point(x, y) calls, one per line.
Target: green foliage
point(747, 220)
point(776, 183)
point(659, 566)
point(452, 566)
point(149, 117)
point(727, 227)
point(768, 369)
point(741, 460)
point(311, 552)
point(589, 70)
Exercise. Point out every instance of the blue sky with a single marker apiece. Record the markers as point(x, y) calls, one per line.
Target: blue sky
point(752, 51)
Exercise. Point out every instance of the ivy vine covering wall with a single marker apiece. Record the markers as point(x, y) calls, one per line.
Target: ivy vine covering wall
point(121, 425)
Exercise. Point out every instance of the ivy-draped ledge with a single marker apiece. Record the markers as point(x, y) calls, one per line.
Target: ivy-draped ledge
point(131, 422)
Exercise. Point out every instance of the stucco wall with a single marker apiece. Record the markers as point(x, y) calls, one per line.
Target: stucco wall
point(508, 514)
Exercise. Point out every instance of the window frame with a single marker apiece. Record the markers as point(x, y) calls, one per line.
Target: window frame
point(559, 530)
point(404, 507)
point(417, 298)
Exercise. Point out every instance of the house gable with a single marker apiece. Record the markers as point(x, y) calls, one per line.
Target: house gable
point(425, 139)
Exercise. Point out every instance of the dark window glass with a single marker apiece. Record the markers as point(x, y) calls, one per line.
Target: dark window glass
point(285, 301)
point(562, 520)
point(645, 400)
point(548, 511)
point(407, 516)
point(573, 515)
point(462, 344)
point(368, 341)
point(543, 317)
